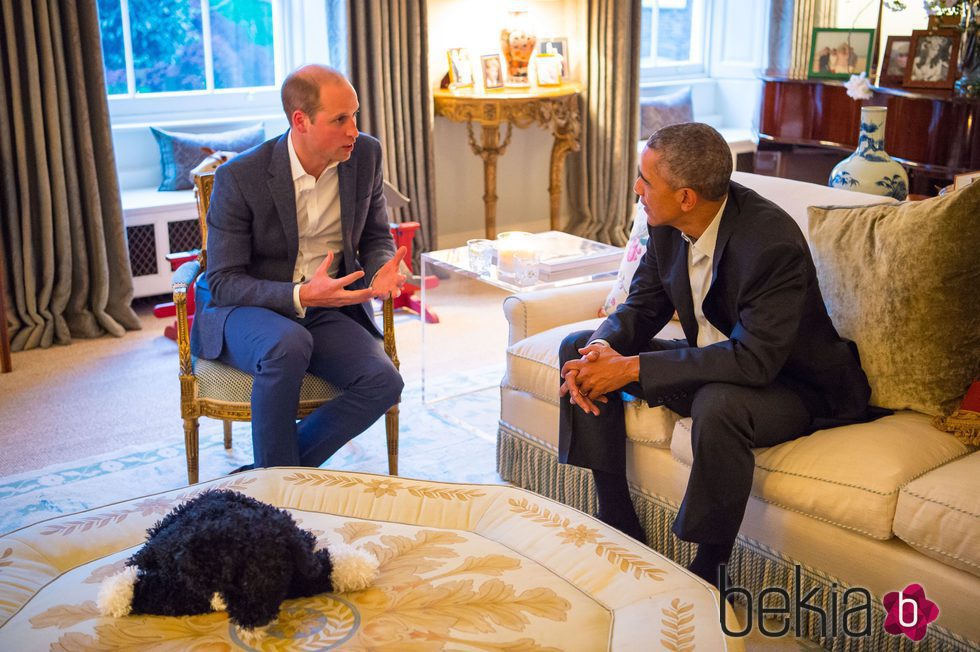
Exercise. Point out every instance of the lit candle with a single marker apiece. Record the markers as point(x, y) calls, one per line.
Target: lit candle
point(508, 244)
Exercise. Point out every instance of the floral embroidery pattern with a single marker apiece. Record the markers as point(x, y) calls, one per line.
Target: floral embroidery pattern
point(582, 535)
point(147, 507)
point(381, 487)
point(3, 558)
point(427, 597)
point(678, 626)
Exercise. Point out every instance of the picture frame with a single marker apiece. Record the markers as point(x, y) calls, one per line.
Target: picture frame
point(932, 59)
point(894, 62)
point(838, 53)
point(961, 181)
point(558, 45)
point(460, 68)
point(492, 68)
point(548, 67)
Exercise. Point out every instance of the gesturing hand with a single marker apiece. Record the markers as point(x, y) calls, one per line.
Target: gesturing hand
point(326, 292)
point(388, 280)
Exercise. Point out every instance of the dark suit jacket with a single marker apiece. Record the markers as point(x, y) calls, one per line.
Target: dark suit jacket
point(253, 237)
point(764, 296)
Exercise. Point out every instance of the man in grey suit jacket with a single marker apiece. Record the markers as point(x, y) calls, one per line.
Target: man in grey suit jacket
point(761, 363)
point(298, 245)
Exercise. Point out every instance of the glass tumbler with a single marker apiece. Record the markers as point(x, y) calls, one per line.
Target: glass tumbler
point(480, 255)
point(526, 267)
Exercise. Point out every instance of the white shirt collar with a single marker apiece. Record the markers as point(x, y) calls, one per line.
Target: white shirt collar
point(296, 168)
point(705, 245)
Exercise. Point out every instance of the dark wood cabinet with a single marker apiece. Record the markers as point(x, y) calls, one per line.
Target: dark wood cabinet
point(934, 134)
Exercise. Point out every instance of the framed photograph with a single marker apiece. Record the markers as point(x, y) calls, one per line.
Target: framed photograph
point(896, 58)
point(557, 45)
point(932, 59)
point(548, 66)
point(493, 71)
point(460, 69)
point(839, 53)
point(963, 180)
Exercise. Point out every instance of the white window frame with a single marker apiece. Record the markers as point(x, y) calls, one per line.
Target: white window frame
point(298, 27)
point(651, 72)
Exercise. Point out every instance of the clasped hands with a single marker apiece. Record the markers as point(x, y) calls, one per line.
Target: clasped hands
point(326, 292)
point(600, 370)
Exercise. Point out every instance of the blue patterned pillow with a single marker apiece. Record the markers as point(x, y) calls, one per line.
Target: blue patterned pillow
point(180, 152)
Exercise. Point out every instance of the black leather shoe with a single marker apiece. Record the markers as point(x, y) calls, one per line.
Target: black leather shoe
point(243, 467)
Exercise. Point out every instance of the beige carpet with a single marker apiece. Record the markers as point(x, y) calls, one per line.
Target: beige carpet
point(98, 396)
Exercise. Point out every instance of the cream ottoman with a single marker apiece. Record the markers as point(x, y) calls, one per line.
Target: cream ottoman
point(468, 567)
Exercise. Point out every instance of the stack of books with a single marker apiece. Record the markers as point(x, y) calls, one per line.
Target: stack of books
point(564, 256)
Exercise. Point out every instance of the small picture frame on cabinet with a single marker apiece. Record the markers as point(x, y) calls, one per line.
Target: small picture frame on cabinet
point(894, 63)
point(932, 59)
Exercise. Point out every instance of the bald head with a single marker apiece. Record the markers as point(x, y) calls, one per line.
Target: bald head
point(301, 90)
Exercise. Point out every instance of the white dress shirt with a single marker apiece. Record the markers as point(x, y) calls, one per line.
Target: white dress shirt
point(317, 221)
point(700, 256)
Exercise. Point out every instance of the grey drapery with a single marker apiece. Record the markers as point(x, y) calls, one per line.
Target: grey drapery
point(61, 220)
point(389, 69)
point(601, 176)
point(791, 24)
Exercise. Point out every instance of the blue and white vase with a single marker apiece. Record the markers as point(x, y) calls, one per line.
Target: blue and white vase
point(870, 169)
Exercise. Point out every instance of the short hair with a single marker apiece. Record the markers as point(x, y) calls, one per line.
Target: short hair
point(693, 155)
point(301, 89)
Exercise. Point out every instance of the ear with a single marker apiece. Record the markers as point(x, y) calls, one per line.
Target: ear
point(116, 593)
point(687, 198)
point(299, 121)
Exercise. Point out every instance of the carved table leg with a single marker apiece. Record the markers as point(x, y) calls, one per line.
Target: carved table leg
point(558, 151)
point(489, 150)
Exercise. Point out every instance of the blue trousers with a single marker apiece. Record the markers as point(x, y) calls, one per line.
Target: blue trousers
point(728, 421)
point(278, 350)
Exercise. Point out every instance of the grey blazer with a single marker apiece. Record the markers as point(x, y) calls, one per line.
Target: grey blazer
point(253, 237)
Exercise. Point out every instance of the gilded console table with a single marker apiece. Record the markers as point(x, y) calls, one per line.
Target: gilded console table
point(553, 107)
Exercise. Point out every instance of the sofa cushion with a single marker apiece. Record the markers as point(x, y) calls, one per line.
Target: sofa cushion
point(635, 248)
point(663, 110)
point(532, 367)
point(180, 152)
point(849, 476)
point(938, 514)
point(901, 282)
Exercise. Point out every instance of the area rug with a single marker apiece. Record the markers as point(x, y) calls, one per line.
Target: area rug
point(455, 442)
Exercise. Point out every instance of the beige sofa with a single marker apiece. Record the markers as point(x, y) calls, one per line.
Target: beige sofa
point(878, 506)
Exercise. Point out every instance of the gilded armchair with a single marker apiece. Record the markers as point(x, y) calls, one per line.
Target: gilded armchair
point(209, 388)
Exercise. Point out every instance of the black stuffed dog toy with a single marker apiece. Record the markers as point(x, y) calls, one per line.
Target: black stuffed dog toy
point(225, 550)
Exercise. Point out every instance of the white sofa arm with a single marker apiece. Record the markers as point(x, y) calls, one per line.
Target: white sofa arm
point(532, 312)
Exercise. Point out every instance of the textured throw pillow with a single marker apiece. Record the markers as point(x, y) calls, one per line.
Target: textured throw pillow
point(635, 248)
point(180, 152)
point(901, 281)
point(670, 109)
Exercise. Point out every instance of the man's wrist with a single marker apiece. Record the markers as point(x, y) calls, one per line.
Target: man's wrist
point(298, 292)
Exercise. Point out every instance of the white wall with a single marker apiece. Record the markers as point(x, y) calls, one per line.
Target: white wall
point(522, 172)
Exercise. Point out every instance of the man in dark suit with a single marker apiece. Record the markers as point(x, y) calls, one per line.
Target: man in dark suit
point(298, 245)
point(761, 363)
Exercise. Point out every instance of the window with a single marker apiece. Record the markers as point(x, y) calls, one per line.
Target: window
point(187, 45)
point(194, 61)
point(673, 39)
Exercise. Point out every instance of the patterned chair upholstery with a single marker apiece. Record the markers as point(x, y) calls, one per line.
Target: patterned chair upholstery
point(211, 389)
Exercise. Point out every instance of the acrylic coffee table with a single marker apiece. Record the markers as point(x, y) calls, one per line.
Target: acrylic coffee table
point(566, 260)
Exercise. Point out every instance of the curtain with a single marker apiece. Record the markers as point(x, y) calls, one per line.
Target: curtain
point(61, 225)
point(601, 176)
point(389, 68)
point(791, 24)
